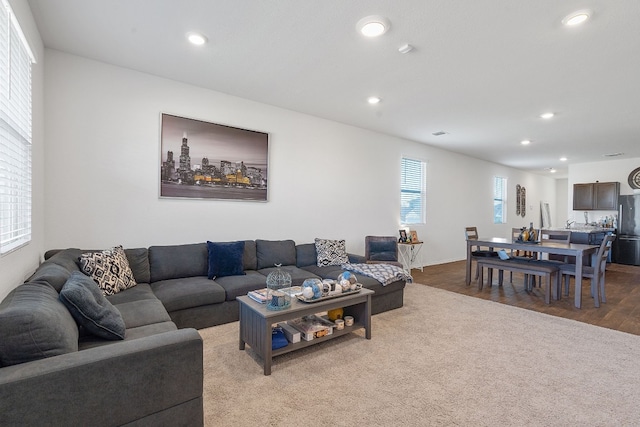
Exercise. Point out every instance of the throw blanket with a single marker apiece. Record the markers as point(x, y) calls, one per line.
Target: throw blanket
point(383, 273)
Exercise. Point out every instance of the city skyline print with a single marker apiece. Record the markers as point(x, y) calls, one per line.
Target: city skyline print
point(204, 160)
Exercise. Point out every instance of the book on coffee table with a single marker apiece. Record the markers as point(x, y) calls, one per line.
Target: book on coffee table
point(259, 295)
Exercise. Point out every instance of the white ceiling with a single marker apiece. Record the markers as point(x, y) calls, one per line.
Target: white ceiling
point(482, 70)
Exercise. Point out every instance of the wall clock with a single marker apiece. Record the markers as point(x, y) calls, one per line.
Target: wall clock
point(634, 179)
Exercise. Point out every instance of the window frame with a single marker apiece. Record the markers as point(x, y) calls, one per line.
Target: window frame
point(416, 186)
point(499, 199)
point(16, 111)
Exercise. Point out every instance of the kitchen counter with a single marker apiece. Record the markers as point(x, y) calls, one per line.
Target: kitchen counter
point(588, 229)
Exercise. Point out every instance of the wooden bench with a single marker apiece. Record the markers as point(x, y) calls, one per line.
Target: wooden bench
point(536, 268)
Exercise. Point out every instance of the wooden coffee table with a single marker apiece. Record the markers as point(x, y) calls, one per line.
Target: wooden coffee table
point(256, 322)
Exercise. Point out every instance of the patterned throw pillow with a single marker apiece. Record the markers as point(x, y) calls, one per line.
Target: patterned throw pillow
point(109, 268)
point(331, 252)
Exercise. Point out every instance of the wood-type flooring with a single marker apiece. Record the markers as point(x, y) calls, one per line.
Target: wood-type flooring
point(620, 312)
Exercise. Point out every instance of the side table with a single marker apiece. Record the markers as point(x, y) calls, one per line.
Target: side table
point(409, 254)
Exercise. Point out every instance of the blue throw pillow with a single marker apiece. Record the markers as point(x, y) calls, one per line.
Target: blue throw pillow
point(90, 309)
point(225, 259)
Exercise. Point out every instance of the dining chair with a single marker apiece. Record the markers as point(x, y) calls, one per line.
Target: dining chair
point(594, 272)
point(471, 233)
point(561, 236)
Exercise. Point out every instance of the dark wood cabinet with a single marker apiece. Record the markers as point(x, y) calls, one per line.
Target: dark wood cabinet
point(601, 196)
point(582, 197)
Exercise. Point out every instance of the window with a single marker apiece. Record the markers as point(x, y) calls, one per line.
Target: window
point(15, 133)
point(499, 200)
point(412, 191)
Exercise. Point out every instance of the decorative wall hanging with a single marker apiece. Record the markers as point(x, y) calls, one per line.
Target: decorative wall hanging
point(523, 201)
point(518, 199)
point(214, 162)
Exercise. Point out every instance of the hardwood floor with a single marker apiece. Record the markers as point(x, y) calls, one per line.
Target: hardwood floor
point(620, 312)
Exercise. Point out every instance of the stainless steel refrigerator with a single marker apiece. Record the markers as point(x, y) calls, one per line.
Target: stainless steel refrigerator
point(626, 247)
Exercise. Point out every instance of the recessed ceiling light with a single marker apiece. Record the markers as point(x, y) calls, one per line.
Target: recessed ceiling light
point(525, 142)
point(374, 100)
point(373, 26)
point(552, 170)
point(196, 38)
point(547, 115)
point(563, 159)
point(576, 18)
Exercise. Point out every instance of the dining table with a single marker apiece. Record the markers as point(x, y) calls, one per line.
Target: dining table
point(578, 250)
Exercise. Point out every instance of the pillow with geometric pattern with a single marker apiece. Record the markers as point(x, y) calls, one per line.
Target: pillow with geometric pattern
point(331, 252)
point(109, 268)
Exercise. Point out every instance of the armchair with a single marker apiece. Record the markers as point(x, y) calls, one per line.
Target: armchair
point(381, 249)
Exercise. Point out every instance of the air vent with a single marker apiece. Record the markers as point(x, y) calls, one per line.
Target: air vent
point(439, 133)
point(613, 154)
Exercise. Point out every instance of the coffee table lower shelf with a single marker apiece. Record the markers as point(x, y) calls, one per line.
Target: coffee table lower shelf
point(256, 322)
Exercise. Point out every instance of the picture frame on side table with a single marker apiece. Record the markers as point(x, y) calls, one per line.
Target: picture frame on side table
point(208, 161)
point(403, 236)
point(414, 236)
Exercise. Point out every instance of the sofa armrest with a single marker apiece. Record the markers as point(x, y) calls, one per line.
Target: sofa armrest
point(110, 385)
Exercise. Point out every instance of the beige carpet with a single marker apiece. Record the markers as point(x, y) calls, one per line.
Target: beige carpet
point(442, 359)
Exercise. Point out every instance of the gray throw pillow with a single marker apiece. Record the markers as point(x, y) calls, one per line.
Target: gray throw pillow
point(90, 309)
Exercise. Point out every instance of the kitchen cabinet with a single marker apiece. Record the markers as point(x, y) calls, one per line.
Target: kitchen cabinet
point(601, 196)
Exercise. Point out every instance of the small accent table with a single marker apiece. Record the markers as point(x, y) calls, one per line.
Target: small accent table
point(256, 322)
point(410, 257)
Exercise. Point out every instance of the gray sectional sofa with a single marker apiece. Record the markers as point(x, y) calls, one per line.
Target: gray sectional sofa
point(51, 373)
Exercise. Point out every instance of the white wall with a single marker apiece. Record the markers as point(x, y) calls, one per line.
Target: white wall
point(607, 171)
point(326, 179)
point(16, 266)
point(562, 200)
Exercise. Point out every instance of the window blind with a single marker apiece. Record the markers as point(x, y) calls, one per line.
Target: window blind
point(15, 133)
point(412, 191)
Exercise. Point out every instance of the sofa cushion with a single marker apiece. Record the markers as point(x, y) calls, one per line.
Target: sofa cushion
point(184, 293)
point(109, 268)
point(250, 259)
point(331, 252)
point(139, 263)
point(177, 261)
point(90, 309)
point(90, 341)
point(306, 255)
point(52, 274)
point(382, 250)
point(273, 252)
point(143, 312)
point(34, 324)
point(225, 259)
point(235, 286)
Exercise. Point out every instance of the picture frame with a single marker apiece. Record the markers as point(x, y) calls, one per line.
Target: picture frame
point(414, 236)
point(403, 236)
point(212, 161)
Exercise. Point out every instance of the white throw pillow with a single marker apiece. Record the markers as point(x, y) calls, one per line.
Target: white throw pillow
point(331, 252)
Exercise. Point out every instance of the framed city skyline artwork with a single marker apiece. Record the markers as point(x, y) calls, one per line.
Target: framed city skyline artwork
point(203, 160)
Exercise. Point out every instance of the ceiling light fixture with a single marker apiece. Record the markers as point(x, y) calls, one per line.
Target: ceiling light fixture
point(196, 39)
point(373, 26)
point(576, 18)
point(525, 142)
point(546, 115)
point(563, 159)
point(374, 100)
point(552, 170)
